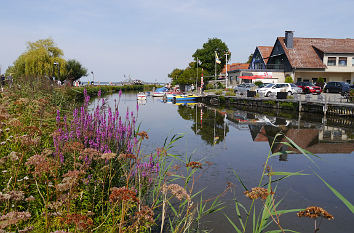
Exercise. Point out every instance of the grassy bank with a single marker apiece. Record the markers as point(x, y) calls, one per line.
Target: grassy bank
point(64, 169)
point(77, 93)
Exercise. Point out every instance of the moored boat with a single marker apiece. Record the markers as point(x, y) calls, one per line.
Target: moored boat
point(141, 95)
point(184, 97)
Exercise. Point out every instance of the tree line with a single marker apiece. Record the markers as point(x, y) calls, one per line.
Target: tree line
point(43, 59)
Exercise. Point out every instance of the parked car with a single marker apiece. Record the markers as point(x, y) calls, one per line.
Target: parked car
point(244, 87)
point(337, 87)
point(290, 88)
point(308, 87)
point(266, 89)
point(263, 85)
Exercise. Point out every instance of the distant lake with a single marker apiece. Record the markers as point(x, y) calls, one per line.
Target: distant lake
point(228, 140)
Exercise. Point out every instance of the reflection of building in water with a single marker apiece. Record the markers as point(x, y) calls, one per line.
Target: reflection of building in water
point(310, 136)
point(317, 141)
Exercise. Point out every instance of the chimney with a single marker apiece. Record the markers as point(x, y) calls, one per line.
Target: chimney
point(289, 39)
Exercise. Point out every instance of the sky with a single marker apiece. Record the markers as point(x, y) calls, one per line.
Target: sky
point(147, 39)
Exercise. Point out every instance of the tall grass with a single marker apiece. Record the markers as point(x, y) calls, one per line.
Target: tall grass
point(67, 169)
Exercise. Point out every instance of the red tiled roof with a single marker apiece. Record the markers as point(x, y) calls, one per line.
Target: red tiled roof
point(265, 52)
point(235, 66)
point(303, 54)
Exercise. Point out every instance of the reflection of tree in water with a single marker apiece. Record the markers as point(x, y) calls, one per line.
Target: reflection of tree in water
point(212, 129)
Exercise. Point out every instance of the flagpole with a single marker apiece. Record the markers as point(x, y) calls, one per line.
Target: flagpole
point(215, 69)
point(196, 80)
point(226, 76)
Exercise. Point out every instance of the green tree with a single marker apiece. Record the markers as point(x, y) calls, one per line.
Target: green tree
point(38, 60)
point(250, 58)
point(74, 70)
point(320, 82)
point(206, 56)
point(289, 79)
point(174, 75)
point(188, 75)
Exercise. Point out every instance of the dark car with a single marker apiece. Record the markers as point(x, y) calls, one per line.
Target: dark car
point(337, 87)
point(308, 87)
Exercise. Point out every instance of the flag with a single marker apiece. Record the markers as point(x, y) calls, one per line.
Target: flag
point(201, 81)
point(217, 60)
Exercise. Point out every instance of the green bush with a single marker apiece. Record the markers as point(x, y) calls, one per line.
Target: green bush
point(289, 79)
point(258, 83)
point(218, 92)
point(230, 93)
point(209, 86)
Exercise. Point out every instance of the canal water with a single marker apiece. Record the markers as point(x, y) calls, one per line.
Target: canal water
point(232, 140)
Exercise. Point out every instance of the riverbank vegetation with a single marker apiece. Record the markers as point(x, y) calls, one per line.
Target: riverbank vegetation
point(67, 169)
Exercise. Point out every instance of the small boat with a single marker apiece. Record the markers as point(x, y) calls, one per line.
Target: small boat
point(184, 97)
point(141, 95)
point(160, 92)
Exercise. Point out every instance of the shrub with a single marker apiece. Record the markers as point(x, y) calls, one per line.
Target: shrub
point(289, 79)
point(258, 83)
point(218, 92)
point(230, 93)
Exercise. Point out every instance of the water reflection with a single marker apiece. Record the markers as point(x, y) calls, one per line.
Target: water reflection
point(212, 124)
point(209, 123)
point(318, 138)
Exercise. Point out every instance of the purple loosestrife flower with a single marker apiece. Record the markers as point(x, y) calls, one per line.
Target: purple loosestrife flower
point(120, 92)
point(99, 93)
point(58, 116)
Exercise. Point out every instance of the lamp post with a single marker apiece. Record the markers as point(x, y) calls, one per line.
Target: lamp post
point(93, 77)
point(226, 74)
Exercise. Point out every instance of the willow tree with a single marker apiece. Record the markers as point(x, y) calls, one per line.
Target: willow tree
point(41, 59)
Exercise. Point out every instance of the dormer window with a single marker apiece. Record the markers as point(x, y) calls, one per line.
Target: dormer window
point(342, 61)
point(332, 61)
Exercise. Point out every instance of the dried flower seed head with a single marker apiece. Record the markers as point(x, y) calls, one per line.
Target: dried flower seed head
point(55, 205)
point(143, 135)
point(30, 198)
point(47, 152)
point(41, 164)
point(315, 212)
point(13, 218)
point(161, 151)
point(122, 193)
point(143, 219)
point(71, 179)
point(71, 147)
point(13, 156)
point(194, 165)
point(16, 195)
point(90, 154)
point(108, 156)
point(26, 229)
point(176, 190)
point(258, 192)
point(127, 156)
point(82, 222)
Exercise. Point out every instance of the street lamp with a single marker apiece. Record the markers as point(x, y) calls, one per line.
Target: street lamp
point(93, 77)
point(226, 74)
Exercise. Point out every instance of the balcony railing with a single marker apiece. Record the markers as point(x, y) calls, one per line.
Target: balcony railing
point(275, 66)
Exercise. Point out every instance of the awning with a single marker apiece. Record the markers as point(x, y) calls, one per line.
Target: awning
point(255, 77)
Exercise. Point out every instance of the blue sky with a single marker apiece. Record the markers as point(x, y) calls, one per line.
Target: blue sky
point(146, 39)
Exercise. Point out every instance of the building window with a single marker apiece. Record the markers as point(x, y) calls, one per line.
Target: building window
point(331, 61)
point(342, 61)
